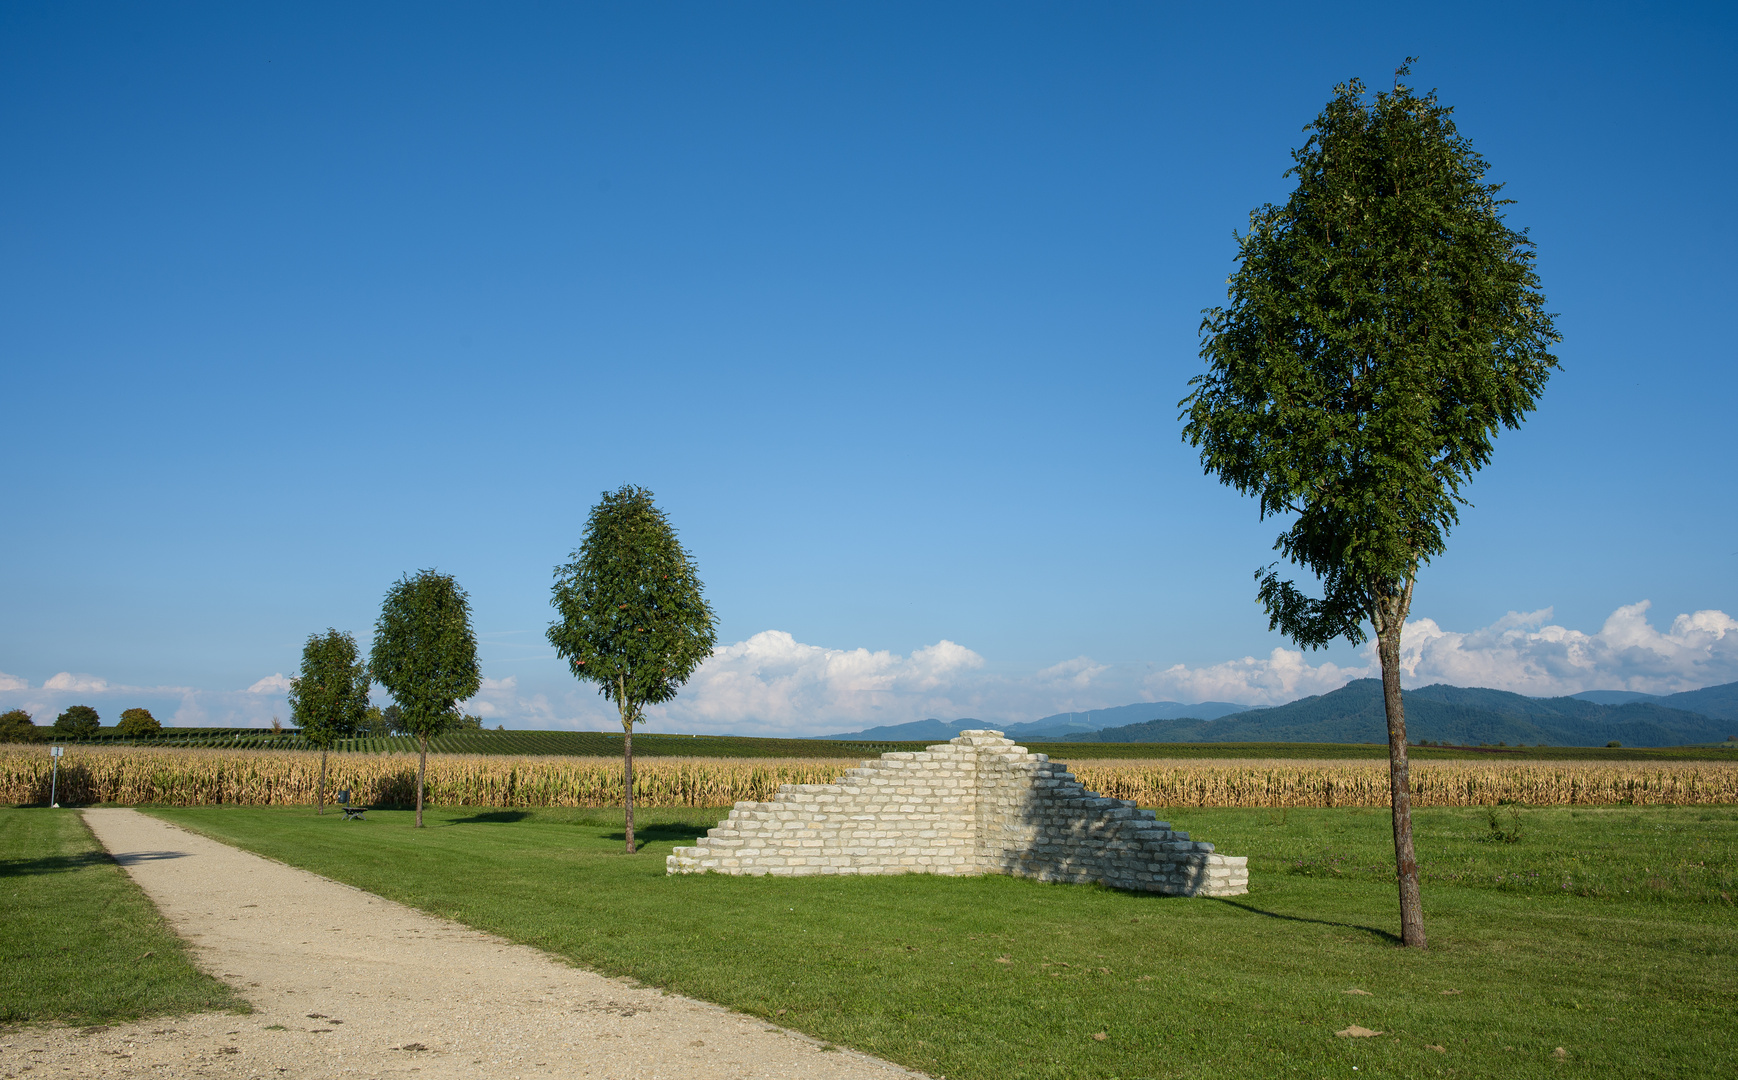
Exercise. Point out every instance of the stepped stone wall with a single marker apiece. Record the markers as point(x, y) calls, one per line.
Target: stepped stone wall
point(978, 804)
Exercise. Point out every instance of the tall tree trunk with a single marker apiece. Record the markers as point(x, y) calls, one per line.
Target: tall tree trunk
point(1393, 611)
point(321, 799)
point(629, 715)
point(628, 779)
point(421, 764)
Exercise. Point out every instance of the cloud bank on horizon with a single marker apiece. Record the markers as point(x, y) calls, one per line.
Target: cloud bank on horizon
point(174, 706)
point(1521, 652)
point(772, 684)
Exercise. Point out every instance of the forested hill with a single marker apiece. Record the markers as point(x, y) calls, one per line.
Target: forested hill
point(1049, 727)
point(1719, 702)
point(1449, 714)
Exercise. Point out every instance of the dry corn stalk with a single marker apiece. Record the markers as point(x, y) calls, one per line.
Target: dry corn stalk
point(1296, 783)
point(288, 777)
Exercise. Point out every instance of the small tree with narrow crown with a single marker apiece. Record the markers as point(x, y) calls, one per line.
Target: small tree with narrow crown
point(634, 619)
point(426, 656)
point(1383, 325)
point(330, 697)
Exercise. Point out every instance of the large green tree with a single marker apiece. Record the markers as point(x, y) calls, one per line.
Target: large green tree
point(329, 699)
point(1382, 326)
point(634, 619)
point(426, 656)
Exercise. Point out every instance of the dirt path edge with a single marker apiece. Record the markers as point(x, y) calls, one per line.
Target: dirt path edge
point(348, 985)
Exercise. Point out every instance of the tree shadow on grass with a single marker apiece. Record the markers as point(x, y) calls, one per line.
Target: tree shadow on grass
point(1375, 932)
point(676, 831)
point(493, 817)
point(53, 864)
point(65, 864)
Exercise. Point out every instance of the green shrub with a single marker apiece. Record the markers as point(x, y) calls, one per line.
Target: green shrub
point(138, 722)
point(16, 726)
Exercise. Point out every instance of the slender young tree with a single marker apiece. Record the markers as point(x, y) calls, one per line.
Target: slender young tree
point(634, 619)
point(329, 699)
point(1382, 326)
point(426, 656)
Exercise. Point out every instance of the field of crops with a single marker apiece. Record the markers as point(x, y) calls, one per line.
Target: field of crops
point(289, 777)
point(1285, 783)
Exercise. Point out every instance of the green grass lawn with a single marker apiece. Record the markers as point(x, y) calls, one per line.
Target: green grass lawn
point(1610, 933)
point(79, 942)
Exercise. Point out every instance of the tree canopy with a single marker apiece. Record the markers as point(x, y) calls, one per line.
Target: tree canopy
point(1381, 327)
point(329, 699)
point(425, 654)
point(634, 617)
point(78, 721)
point(17, 726)
point(137, 722)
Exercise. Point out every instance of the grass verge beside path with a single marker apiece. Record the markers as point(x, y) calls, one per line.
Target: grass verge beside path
point(79, 941)
point(994, 977)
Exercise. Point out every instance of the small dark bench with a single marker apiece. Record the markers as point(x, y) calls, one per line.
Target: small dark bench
point(351, 813)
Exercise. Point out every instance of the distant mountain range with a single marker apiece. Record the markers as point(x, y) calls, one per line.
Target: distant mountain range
point(1049, 727)
point(1354, 713)
point(1719, 702)
point(1454, 714)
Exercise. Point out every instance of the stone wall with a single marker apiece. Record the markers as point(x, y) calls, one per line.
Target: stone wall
point(978, 804)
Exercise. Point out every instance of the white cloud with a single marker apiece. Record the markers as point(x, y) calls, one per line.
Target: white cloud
point(178, 706)
point(1522, 652)
point(66, 680)
point(773, 683)
point(499, 701)
point(1283, 676)
point(271, 684)
point(13, 682)
point(1078, 672)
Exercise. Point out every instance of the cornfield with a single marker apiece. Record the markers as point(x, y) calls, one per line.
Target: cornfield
point(1280, 783)
point(289, 777)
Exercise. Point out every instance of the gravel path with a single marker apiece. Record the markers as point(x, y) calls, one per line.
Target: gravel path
point(345, 984)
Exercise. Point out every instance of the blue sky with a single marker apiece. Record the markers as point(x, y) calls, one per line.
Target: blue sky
point(890, 305)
